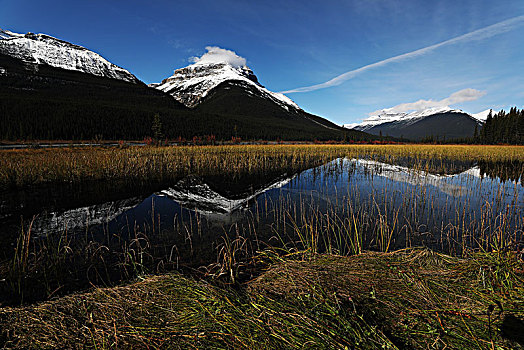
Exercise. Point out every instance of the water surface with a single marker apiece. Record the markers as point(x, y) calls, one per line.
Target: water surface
point(394, 205)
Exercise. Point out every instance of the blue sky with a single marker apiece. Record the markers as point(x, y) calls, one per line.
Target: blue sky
point(297, 44)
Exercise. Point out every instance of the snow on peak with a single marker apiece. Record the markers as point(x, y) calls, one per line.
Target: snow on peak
point(44, 49)
point(432, 111)
point(387, 116)
point(350, 125)
point(189, 85)
point(482, 116)
point(6, 34)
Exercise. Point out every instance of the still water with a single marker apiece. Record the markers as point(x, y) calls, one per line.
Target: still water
point(379, 205)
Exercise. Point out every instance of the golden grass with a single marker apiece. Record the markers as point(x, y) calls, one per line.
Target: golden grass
point(26, 167)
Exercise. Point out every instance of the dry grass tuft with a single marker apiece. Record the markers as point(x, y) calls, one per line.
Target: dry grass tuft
point(417, 297)
point(407, 299)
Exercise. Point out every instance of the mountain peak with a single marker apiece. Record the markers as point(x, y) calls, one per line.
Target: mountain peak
point(217, 69)
point(191, 84)
point(436, 122)
point(36, 49)
point(388, 115)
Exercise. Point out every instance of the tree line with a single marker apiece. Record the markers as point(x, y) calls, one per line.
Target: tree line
point(502, 127)
point(499, 128)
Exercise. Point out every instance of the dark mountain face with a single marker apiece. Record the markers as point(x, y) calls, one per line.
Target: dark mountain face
point(236, 94)
point(238, 98)
point(449, 126)
point(245, 102)
point(44, 102)
point(51, 89)
point(52, 103)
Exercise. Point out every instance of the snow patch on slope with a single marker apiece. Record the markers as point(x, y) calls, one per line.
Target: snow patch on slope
point(482, 116)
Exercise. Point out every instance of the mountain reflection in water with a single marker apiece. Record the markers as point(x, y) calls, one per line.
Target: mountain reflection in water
point(424, 200)
point(106, 233)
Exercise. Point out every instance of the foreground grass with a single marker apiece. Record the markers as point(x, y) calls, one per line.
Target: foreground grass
point(407, 299)
point(19, 168)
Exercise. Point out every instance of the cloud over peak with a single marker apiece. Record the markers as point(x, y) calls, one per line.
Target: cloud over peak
point(217, 54)
point(456, 97)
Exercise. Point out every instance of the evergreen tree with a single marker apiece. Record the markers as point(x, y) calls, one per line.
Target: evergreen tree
point(156, 128)
point(504, 127)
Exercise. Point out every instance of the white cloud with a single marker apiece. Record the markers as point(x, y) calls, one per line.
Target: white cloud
point(480, 34)
point(456, 97)
point(216, 54)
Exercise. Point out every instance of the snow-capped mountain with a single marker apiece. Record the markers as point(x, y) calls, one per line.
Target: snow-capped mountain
point(441, 122)
point(38, 49)
point(387, 116)
point(53, 77)
point(52, 89)
point(231, 91)
point(190, 85)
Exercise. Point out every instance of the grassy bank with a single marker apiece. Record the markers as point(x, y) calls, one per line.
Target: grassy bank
point(406, 299)
point(19, 168)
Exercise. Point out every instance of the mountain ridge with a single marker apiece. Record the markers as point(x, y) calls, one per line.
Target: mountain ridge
point(61, 94)
point(221, 87)
point(39, 49)
point(440, 122)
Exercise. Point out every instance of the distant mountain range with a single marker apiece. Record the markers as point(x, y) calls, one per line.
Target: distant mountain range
point(52, 89)
point(441, 123)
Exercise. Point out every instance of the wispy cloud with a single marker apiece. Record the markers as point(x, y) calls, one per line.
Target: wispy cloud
point(479, 34)
point(456, 97)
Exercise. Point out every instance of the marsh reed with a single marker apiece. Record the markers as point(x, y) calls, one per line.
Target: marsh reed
point(347, 222)
point(28, 167)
